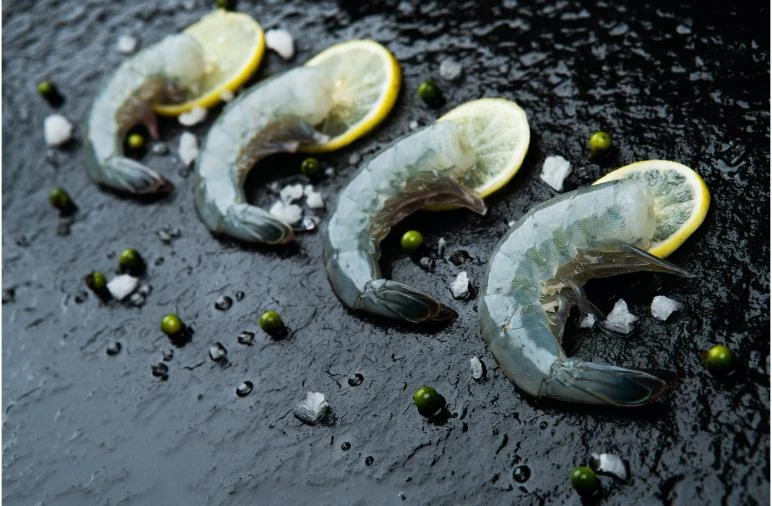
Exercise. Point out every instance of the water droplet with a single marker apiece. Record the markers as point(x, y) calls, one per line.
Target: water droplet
point(9, 295)
point(223, 303)
point(239, 295)
point(521, 473)
point(145, 290)
point(81, 296)
point(426, 263)
point(246, 338)
point(160, 370)
point(244, 388)
point(114, 349)
point(369, 460)
point(355, 380)
point(346, 446)
point(159, 260)
point(543, 425)
point(159, 148)
point(167, 354)
point(459, 257)
point(137, 299)
point(218, 353)
point(310, 223)
point(63, 228)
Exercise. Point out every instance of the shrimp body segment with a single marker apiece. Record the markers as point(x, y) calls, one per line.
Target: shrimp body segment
point(276, 115)
point(416, 172)
point(536, 275)
point(167, 71)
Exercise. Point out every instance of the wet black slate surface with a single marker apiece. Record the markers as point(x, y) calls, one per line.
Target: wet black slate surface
point(83, 427)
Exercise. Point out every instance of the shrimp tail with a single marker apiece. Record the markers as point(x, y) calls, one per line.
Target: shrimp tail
point(592, 383)
point(395, 300)
point(128, 175)
point(253, 224)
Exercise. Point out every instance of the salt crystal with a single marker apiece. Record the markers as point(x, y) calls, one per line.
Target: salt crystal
point(57, 130)
point(314, 200)
point(289, 213)
point(554, 171)
point(280, 41)
point(478, 368)
point(195, 116)
point(450, 69)
point(607, 463)
point(227, 96)
point(620, 319)
point(460, 286)
point(511, 223)
point(662, 307)
point(413, 125)
point(587, 322)
point(354, 159)
point(122, 286)
point(441, 244)
point(329, 172)
point(159, 148)
point(188, 149)
point(127, 44)
point(312, 409)
point(291, 193)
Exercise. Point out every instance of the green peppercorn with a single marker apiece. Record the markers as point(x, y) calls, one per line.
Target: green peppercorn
point(585, 481)
point(719, 360)
point(428, 401)
point(136, 141)
point(227, 5)
point(131, 261)
point(310, 167)
point(600, 142)
point(171, 325)
point(430, 93)
point(270, 322)
point(411, 240)
point(60, 199)
point(98, 281)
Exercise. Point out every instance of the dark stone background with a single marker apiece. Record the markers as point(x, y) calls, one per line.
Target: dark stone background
point(670, 80)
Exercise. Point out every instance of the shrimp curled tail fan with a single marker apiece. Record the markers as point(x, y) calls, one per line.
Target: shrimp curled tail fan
point(395, 300)
point(252, 224)
point(127, 175)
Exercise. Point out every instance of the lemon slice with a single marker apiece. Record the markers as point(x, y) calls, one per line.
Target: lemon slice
point(681, 200)
point(497, 130)
point(367, 79)
point(233, 45)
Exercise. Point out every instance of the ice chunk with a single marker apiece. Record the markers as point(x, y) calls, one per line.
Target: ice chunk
point(620, 319)
point(289, 213)
point(554, 171)
point(314, 200)
point(587, 322)
point(607, 463)
point(450, 69)
point(280, 41)
point(312, 409)
point(188, 149)
point(291, 193)
point(57, 130)
point(196, 115)
point(478, 368)
point(127, 44)
point(662, 307)
point(460, 286)
point(122, 286)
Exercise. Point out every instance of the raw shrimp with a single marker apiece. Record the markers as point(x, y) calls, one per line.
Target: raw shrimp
point(416, 172)
point(536, 275)
point(168, 71)
point(277, 115)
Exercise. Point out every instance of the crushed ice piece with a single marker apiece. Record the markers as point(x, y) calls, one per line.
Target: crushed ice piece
point(289, 213)
point(450, 69)
point(308, 189)
point(554, 171)
point(354, 158)
point(441, 244)
point(227, 96)
point(329, 172)
point(314, 200)
point(312, 409)
point(620, 319)
point(511, 223)
point(413, 125)
point(426, 263)
point(193, 117)
point(57, 130)
point(282, 42)
point(662, 307)
point(310, 223)
point(291, 193)
point(159, 148)
point(607, 463)
point(127, 44)
point(188, 149)
point(478, 368)
point(587, 322)
point(460, 286)
point(122, 286)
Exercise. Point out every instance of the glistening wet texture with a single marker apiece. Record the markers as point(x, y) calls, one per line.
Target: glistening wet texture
point(84, 427)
